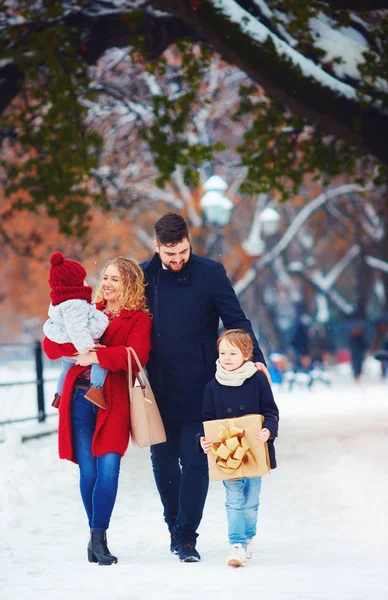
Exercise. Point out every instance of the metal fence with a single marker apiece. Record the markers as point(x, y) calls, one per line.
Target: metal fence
point(36, 377)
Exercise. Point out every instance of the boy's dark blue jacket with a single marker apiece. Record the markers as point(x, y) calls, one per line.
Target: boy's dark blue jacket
point(254, 396)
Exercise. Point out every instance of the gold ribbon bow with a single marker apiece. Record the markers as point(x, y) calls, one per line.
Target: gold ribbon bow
point(233, 449)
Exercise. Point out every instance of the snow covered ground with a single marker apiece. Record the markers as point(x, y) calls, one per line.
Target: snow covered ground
point(323, 522)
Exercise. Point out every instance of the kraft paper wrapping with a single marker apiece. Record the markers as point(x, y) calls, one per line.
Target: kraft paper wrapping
point(236, 452)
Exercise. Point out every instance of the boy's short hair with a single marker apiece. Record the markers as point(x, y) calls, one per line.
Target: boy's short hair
point(239, 338)
point(171, 229)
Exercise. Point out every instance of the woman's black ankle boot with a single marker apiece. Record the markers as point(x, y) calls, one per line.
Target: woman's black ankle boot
point(98, 550)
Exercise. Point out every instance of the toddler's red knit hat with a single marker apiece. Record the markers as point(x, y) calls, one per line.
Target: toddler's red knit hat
point(67, 280)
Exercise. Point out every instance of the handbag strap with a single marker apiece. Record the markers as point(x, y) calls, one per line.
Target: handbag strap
point(143, 381)
point(135, 356)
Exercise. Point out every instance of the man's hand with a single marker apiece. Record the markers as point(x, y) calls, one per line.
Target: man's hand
point(263, 435)
point(205, 445)
point(85, 360)
point(261, 367)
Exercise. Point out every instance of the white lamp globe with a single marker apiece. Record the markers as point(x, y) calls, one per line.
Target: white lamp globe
point(217, 208)
point(270, 220)
point(215, 182)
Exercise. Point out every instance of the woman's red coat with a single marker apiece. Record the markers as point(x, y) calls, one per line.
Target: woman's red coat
point(130, 328)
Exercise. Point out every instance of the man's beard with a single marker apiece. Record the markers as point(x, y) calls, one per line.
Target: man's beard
point(182, 267)
point(176, 270)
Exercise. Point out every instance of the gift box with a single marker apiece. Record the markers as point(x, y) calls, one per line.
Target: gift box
point(236, 452)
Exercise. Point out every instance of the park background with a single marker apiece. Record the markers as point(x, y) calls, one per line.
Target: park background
point(101, 134)
point(264, 124)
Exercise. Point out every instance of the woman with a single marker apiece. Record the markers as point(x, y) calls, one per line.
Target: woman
point(358, 347)
point(97, 439)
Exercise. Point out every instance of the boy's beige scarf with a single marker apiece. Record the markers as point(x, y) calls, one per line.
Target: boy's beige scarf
point(237, 377)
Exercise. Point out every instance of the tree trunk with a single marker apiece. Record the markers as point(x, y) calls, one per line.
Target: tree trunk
point(309, 96)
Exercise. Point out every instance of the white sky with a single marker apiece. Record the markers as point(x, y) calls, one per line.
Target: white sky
point(323, 521)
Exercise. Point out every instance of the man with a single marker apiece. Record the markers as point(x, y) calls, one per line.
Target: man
point(187, 295)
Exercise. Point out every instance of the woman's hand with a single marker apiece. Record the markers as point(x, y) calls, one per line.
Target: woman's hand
point(85, 360)
point(205, 445)
point(263, 435)
point(97, 345)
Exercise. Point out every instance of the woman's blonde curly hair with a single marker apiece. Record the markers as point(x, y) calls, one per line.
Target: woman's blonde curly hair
point(131, 294)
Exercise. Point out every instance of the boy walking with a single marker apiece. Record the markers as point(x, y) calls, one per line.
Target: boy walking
point(239, 389)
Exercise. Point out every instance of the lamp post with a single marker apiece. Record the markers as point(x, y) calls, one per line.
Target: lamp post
point(217, 210)
point(266, 222)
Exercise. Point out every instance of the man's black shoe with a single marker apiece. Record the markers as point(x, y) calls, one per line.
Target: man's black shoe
point(188, 553)
point(173, 542)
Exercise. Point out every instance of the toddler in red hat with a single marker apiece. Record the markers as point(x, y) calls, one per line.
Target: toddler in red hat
point(73, 318)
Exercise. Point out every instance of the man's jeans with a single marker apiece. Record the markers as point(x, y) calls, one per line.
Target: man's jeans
point(181, 476)
point(99, 475)
point(242, 503)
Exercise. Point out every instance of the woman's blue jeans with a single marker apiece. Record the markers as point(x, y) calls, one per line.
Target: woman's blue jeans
point(242, 504)
point(99, 475)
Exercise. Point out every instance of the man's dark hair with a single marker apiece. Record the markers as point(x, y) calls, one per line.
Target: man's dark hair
point(171, 229)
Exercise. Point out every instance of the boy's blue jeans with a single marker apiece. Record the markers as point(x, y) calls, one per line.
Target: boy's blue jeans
point(99, 475)
point(242, 503)
point(97, 375)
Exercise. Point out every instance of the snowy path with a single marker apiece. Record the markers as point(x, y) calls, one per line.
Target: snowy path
point(323, 518)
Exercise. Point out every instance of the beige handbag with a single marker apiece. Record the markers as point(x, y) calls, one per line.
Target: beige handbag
point(146, 423)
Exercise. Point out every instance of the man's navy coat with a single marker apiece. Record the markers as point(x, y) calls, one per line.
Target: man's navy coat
point(186, 308)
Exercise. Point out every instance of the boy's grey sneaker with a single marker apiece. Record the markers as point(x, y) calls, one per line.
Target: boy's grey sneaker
point(249, 549)
point(188, 553)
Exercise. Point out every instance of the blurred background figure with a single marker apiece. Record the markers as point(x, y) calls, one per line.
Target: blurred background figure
point(380, 347)
point(358, 347)
point(300, 357)
point(277, 365)
point(300, 344)
point(319, 347)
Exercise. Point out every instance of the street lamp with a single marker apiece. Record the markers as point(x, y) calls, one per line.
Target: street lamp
point(266, 222)
point(217, 209)
point(270, 219)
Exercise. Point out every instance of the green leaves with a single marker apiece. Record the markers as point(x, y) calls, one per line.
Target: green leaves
point(280, 150)
point(374, 69)
point(53, 153)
